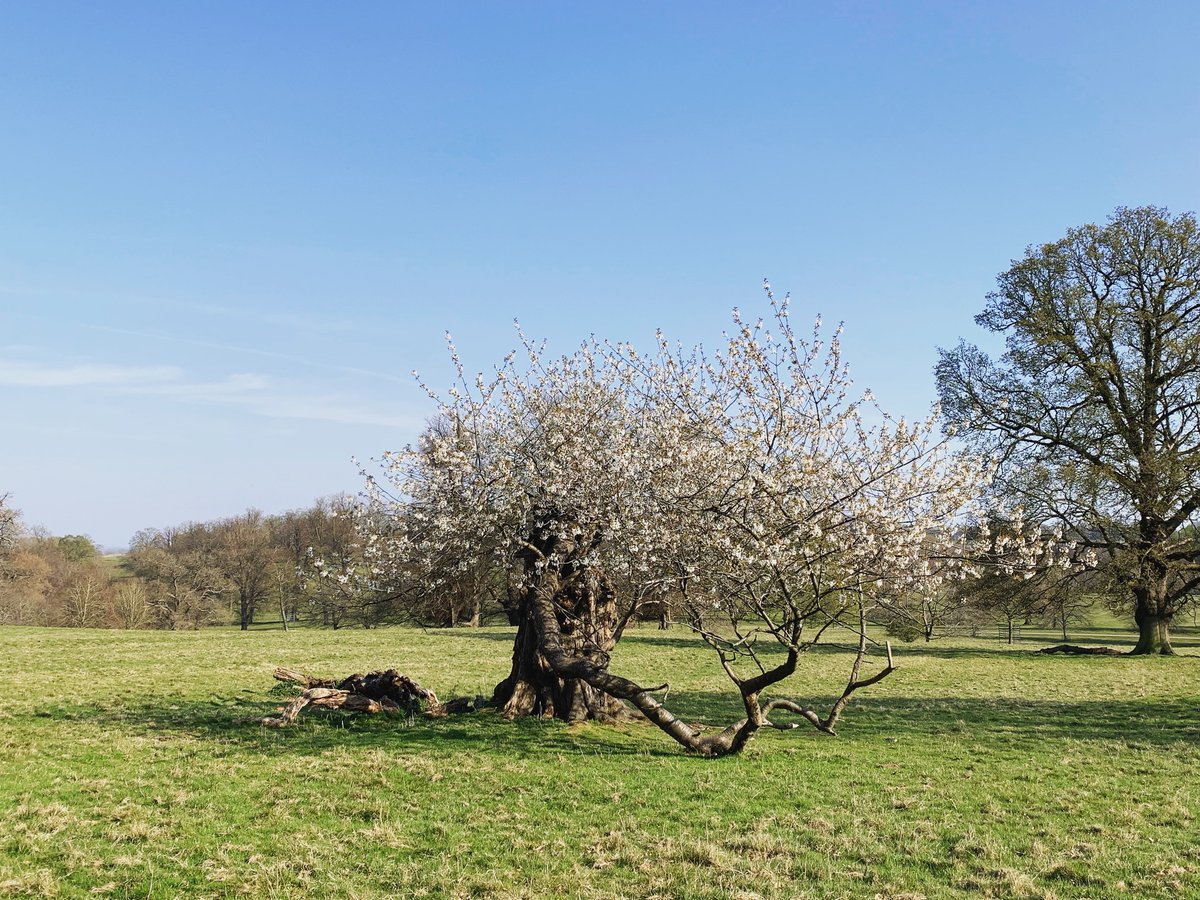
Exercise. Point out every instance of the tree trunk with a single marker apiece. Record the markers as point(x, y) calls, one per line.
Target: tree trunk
point(512, 606)
point(1154, 632)
point(586, 611)
point(1152, 610)
point(246, 611)
point(568, 624)
point(1152, 606)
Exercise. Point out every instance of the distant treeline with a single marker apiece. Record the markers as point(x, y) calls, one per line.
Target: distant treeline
point(239, 570)
point(306, 566)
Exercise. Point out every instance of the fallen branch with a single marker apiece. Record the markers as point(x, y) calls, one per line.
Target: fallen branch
point(386, 691)
point(1075, 650)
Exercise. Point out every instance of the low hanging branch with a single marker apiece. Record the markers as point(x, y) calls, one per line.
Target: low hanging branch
point(386, 691)
point(855, 683)
point(731, 740)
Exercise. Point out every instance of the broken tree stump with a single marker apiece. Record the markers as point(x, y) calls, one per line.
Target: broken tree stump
point(386, 691)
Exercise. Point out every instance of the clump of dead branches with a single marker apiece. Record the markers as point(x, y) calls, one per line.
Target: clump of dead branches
point(386, 691)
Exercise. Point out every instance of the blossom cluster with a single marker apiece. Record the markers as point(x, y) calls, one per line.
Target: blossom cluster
point(753, 483)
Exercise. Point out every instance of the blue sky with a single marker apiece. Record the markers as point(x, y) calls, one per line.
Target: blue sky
point(229, 231)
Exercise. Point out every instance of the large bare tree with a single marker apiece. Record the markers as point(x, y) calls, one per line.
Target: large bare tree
point(1094, 408)
point(245, 554)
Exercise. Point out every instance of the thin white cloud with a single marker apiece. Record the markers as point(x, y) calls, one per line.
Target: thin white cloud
point(231, 388)
point(330, 409)
point(26, 374)
point(259, 394)
point(248, 391)
point(256, 351)
point(297, 321)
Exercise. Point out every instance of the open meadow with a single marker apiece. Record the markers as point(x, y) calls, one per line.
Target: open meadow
point(976, 769)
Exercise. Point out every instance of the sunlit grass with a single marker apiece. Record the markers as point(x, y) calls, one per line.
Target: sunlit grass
point(975, 770)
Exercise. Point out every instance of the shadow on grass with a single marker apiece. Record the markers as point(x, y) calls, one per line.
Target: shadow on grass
point(233, 726)
point(682, 639)
point(828, 645)
point(1141, 723)
point(1152, 722)
point(503, 636)
point(981, 646)
point(985, 644)
point(977, 649)
point(1019, 725)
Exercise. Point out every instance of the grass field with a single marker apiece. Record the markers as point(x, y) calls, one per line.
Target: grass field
point(975, 770)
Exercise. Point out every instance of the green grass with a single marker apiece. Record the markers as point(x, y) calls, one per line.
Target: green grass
point(116, 566)
point(975, 770)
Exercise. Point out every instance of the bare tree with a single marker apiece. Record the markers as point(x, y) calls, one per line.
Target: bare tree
point(24, 589)
point(10, 529)
point(925, 613)
point(182, 587)
point(131, 604)
point(84, 602)
point(245, 555)
point(1068, 601)
point(46, 580)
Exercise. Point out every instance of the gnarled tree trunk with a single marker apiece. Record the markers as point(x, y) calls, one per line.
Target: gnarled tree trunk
point(588, 621)
point(569, 623)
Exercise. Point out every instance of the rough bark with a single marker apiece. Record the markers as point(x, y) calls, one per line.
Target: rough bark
point(584, 609)
point(386, 691)
point(1153, 622)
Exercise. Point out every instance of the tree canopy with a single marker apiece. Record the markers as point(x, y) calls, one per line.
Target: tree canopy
point(1094, 408)
point(754, 484)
